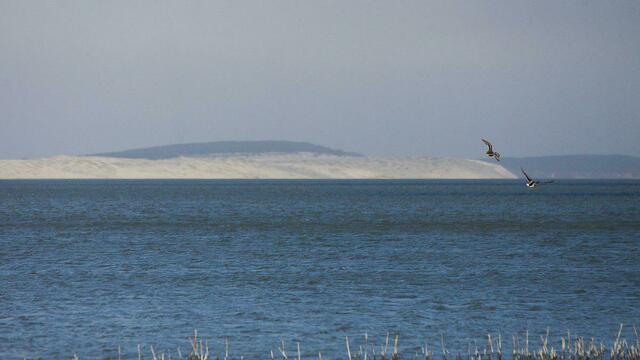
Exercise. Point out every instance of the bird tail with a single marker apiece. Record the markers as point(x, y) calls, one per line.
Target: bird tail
point(497, 155)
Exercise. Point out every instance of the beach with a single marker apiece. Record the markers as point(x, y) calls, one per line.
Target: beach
point(260, 166)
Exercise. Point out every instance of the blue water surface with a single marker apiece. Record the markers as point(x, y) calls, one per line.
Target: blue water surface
point(87, 266)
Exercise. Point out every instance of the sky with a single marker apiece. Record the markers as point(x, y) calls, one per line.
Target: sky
point(375, 77)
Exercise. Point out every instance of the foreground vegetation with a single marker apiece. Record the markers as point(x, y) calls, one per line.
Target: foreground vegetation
point(570, 348)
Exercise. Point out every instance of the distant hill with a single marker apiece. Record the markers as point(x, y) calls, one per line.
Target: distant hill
point(224, 147)
point(576, 166)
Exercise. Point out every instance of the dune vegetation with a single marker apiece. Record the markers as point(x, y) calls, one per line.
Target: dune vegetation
point(569, 347)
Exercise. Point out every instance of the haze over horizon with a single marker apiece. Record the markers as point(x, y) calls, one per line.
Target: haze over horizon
point(410, 78)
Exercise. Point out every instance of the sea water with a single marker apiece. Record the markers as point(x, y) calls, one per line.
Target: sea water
point(87, 266)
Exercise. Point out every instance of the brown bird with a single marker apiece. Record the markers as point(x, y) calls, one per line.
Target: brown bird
point(490, 152)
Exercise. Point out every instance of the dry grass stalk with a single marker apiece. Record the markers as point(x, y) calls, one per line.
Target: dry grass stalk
point(571, 348)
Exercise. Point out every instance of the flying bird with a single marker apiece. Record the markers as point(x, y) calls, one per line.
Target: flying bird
point(532, 183)
point(490, 152)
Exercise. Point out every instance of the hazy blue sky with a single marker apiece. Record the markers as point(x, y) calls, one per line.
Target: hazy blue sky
point(394, 77)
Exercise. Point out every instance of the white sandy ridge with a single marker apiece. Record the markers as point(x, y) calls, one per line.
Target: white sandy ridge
point(264, 166)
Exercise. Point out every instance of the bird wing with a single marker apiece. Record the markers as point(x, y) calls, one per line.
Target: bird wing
point(488, 144)
point(525, 174)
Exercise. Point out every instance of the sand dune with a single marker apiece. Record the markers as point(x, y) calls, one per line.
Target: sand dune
point(264, 166)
